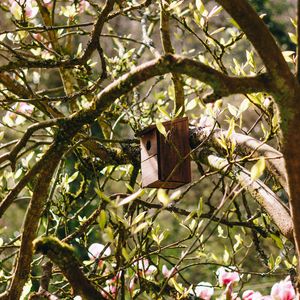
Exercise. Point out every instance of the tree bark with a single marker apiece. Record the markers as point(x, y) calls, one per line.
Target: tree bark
point(291, 153)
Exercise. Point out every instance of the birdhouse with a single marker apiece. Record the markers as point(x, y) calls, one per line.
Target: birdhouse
point(165, 160)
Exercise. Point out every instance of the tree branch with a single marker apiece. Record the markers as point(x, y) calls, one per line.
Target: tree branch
point(262, 194)
point(168, 48)
point(12, 155)
point(245, 145)
point(298, 42)
point(95, 36)
point(63, 256)
point(30, 225)
point(18, 89)
point(222, 84)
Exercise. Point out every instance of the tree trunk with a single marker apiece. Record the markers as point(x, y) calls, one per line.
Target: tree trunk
point(291, 151)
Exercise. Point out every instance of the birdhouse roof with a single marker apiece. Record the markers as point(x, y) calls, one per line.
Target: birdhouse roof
point(153, 126)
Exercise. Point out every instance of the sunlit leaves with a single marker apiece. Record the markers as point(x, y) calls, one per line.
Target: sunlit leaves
point(191, 104)
point(200, 6)
point(293, 37)
point(161, 128)
point(163, 197)
point(26, 290)
point(132, 197)
point(69, 11)
point(102, 219)
point(258, 168)
point(140, 227)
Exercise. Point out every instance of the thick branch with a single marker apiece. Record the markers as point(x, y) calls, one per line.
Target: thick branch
point(12, 155)
point(168, 48)
point(18, 89)
point(262, 40)
point(262, 194)
point(94, 41)
point(298, 42)
point(222, 84)
point(30, 225)
point(245, 145)
point(63, 256)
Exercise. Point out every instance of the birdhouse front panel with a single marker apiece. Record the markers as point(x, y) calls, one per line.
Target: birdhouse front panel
point(174, 151)
point(149, 158)
point(165, 161)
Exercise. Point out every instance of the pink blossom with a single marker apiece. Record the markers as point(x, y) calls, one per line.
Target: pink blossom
point(251, 295)
point(168, 273)
point(132, 283)
point(29, 6)
point(83, 6)
point(283, 290)
point(109, 289)
point(96, 249)
point(20, 107)
point(204, 290)
point(226, 276)
point(24, 108)
point(143, 265)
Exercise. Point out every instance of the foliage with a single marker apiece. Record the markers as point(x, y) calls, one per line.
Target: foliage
point(79, 80)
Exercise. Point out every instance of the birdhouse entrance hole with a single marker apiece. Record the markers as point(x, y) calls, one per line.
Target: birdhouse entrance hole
point(148, 145)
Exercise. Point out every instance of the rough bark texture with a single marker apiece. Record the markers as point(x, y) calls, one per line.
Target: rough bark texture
point(292, 158)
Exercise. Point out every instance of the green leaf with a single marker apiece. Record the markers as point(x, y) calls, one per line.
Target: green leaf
point(132, 197)
point(161, 128)
point(177, 285)
point(191, 105)
point(277, 240)
point(102, 219)
point(271, 262)
point(139, 218)
point(294, 22)
point(178, 112)
point(163, 197)
point(221, 232)
point(234, 23)
point(226, 256)
point(230, 128)
point(140, 227)
point(218, 30)
point(258, 169)
point(102, 196)
point(200, 6)
point(222, 142)
point(175, 4)
point(244, 106)
point(275, 120)
point(176, 195)
point(125, 254)
point(215, 11)
point(73, 177)
point(288, 56)
point(108, 235)
point(200, 207)
point(293, 37)
point(233, 110)
point(1, 135)
point(26, 290)
point(164, 112)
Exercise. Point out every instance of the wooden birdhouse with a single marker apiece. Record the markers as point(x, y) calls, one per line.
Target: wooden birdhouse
point(165, 161)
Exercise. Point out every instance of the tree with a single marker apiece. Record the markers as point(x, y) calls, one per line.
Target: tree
point(64, 158)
